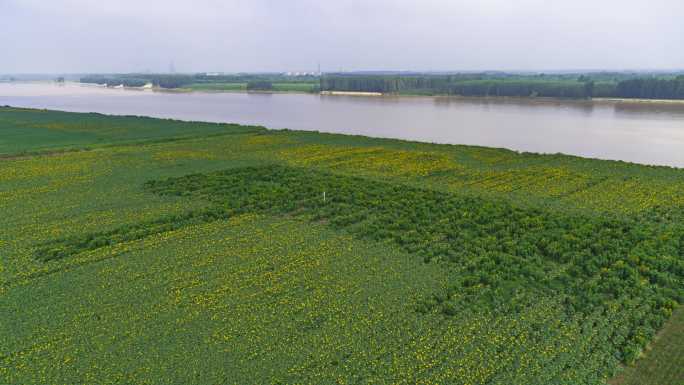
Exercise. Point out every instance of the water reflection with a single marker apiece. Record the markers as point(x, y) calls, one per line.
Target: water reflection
point(519, 104)
point(667, 110)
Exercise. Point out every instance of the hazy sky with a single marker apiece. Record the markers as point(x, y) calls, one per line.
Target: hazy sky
point(294, 35)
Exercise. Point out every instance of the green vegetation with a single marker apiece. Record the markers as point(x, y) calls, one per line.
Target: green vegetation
point(277, 87)
point(204, 82)
point(216, 87)
point(575, 85)
point(165, 255)
point(643, 86)
point(31, 130)
point(296, 87)
point(652, 88)
point(260, 85)
point(139, 80)
point(664, 357)
point(465, 85)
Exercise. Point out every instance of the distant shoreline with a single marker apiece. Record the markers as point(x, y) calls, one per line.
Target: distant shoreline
point(517, 98)
point(491, 97)
point(598, 100)
point(353, 93)
point(628, 100)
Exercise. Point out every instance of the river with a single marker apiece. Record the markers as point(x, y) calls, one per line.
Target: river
point(648, 133)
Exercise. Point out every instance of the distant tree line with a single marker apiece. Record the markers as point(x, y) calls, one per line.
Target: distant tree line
point(114, 81)
point(522, 88)
point(652, 88)
point(181, 80)
point(390, 84)
point(460, 85)
point(584, 86)
point(139, 80)
point(246, 78)
point(604, 84)
point(260, 85)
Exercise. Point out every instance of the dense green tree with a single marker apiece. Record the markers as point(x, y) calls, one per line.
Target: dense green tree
point(260, 85)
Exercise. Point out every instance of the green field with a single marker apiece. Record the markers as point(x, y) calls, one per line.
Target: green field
point(217, 87)
point(34, 130)
point(164, 252)
point(665, 357)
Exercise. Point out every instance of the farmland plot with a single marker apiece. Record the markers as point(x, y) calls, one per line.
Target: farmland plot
point(211, 258)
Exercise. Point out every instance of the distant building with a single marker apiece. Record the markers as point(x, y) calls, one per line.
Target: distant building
point(305, 73)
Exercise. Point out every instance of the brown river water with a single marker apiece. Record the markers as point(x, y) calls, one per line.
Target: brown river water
point(648, 133)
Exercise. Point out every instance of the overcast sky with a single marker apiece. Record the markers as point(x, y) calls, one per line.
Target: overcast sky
point(294, 35)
